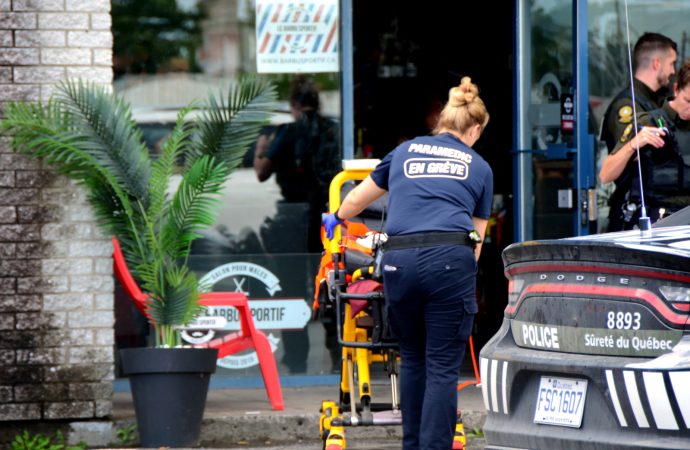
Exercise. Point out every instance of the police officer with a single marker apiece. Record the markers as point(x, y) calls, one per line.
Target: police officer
point(304, 155)
point(655, 58)
point(664, 142)
point(440, 193)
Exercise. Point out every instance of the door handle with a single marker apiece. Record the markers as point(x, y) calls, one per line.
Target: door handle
point(593, 208)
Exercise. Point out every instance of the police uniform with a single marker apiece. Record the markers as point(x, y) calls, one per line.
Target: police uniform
point(617, 128)
point(305, 153)
point(665, 170)
point(436, 184)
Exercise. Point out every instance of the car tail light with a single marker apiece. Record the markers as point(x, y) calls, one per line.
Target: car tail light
point(515, 286)
point(675, 293)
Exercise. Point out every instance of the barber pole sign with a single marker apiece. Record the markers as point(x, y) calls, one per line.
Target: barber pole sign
point(296, 36)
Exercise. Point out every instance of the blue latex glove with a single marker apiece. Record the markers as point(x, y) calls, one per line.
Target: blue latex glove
point(330, 221)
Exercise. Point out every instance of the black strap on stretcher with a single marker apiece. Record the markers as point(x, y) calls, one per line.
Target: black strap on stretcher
point(428, 240)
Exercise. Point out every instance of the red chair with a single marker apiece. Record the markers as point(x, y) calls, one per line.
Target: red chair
point(248, 336)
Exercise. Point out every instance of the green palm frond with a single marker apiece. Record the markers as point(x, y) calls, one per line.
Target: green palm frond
point(162, 169)
point(178, 302)
point(111, 212)
point(150, 274)
point(194, 206)
point(43, 132)
point(102, 125)
point(229, 127)
point(114, 221)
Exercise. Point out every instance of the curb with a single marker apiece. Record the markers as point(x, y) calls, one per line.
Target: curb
point(267, 430)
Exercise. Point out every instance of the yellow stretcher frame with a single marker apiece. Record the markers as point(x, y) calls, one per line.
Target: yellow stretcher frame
point(357, 352)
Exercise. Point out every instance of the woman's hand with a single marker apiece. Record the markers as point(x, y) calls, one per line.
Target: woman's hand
point(615, 163)
point(331, 221)
point(648, 136)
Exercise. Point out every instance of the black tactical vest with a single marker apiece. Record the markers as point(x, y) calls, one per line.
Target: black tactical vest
point(666, 170)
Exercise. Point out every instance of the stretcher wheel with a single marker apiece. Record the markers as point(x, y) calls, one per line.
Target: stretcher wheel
point(459, 438)
point(335, 439)
point(334, 443)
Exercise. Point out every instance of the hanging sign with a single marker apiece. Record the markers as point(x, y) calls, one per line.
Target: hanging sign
point(296, 36)
point(567, 113)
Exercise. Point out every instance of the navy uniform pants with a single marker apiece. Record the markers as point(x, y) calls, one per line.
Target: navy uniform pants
point(431, 302)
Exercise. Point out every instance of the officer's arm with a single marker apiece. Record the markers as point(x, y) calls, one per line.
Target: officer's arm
point(615, 163)
point(359, 198)
point(480, 226)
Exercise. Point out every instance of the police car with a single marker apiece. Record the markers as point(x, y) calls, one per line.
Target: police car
point(594, 349)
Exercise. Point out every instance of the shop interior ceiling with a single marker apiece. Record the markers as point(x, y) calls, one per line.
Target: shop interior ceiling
point(407, 56)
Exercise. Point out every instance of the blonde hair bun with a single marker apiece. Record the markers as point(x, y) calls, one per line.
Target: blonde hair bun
point(463, 109)
point(463, 94)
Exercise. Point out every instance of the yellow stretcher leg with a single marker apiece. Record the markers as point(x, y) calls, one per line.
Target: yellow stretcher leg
point(363, 376)
point(349, 332)
point(329, 411)
point(459, 439)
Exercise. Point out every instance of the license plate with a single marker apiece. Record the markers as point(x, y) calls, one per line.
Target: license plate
point(560, 401)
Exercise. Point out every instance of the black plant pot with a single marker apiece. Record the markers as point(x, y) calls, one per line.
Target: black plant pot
point(169, 388)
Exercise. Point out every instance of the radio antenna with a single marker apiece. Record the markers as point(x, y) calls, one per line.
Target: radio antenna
point(644, 223)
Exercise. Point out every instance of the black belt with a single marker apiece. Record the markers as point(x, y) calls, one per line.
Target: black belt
point(428, 240)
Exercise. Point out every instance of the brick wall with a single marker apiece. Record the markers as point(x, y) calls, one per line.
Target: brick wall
point(56, 285)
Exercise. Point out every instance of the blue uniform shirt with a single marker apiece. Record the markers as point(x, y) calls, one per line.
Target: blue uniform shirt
point(435, 183)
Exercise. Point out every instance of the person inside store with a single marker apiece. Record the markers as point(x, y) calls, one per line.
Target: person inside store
point(664, 152)
point(440, 193)
point(654, 57)
point(305, 156)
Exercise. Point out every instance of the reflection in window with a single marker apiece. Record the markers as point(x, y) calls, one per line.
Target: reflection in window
point(609, 67)
point(608, 46)
point(168, 53)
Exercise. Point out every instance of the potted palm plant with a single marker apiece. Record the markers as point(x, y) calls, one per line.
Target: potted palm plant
point(88, 134)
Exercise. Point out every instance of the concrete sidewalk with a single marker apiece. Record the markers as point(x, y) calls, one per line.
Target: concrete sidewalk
point(243, 418)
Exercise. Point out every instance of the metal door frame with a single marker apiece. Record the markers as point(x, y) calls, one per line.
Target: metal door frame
point(347, 104)
point(584, 176)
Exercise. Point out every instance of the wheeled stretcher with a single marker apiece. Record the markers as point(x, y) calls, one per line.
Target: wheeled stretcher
point(349, 288)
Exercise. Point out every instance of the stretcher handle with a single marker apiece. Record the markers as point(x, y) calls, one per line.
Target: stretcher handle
point(367, 345)
point(334, 200)
point(378, 295)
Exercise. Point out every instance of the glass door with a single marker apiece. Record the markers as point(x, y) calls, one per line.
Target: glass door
point(552, 157)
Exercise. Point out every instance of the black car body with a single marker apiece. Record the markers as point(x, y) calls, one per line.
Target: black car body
point(594, 349)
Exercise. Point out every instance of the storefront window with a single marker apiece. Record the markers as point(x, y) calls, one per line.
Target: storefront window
point(547, 152)
point(265, 242)
point(609, 69)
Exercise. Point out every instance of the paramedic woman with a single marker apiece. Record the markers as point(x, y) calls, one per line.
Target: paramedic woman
point(440, 193)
